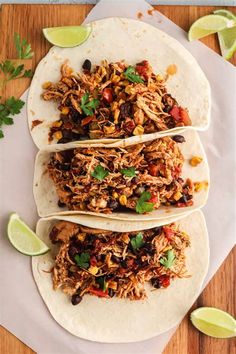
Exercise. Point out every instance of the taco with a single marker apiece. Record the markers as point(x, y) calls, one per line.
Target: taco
point(93, 279)
point(151, 180)
point(103, 90)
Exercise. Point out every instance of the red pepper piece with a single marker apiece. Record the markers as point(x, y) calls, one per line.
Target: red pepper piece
point(99, 292)
point(175, 113)
point(184, 116)
point(164, 280)
point(153, 170)
point(93, 261)
point(141, 69)
point(153, 199)
point(107, 94)
point(168, 232)
point(87, 120)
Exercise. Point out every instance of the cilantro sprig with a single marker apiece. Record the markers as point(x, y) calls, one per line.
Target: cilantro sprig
point(11, 71)
point(129, 172)
point(137, 241)
point(88, 107)
point(8, 109)
point(168, 260)
point(132, 76)
point(82, 260)
point(24, 50)
point(143, 206)
point(99, 172)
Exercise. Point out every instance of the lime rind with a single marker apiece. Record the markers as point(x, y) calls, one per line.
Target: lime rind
point(67, 36)
point(214, 322)
point(225, 13)
point(23, 239)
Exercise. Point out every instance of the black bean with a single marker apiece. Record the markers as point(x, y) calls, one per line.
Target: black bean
point(183, 199)
point(87, 65)
point(115, 259)
point(112, 204)
point(149, 248)
point(109, 276)
point(61, 204)
point(111, 292)
point(156, 283)
point(125, 110)
point(65, 167)
point(53, 235)
point(63, 141)
point(76, 299)
point(179, 138)
point(135, 180)
point(167, 109)
point(157, 230)
point(124, 264)
point(67, 134)
point(72, 252)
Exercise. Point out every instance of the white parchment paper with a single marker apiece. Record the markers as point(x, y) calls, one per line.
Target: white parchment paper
point(21, 309)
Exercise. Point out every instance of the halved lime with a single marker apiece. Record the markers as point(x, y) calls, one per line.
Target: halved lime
point(23, 238)
point(225, 13)
point(68, 36)
point(227, 37)
point(214, 322)
point(209, 24)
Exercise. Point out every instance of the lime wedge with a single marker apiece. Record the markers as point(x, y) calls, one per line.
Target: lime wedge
point(227, 37)
point(214, 322)
point(68, 36)
point(209, 24)
point(23, 238)
point(225, 13)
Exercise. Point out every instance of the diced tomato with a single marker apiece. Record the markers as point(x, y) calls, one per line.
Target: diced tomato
point(164, 280)
point(153, 199)
point(176, 172)
point(107, 94)
point(168, 232)
point(175, 113)
point(153, 170)
point(93, 261)
point(87, 120)
point(129, 126)
point(98, 292)
point(184, 116)
point(141, 69)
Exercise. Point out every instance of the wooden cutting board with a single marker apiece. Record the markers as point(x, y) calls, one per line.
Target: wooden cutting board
point(28, 21)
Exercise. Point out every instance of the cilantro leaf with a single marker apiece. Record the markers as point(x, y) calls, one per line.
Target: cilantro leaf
point(168, 260)
point(9, 108)
point(132, 76)
point(137, 241)
point(88, 107)
point(143, 206)
point(100, 172)
point(102, 283)
point(82, 260)
point(23, 48)
point(11, 71)
point(129, 172)
point(28, 73)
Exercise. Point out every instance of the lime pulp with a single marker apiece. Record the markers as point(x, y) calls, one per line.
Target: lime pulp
point(67, 36)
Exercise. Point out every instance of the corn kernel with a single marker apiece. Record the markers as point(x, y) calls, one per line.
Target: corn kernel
point(114, 106)
point(46, 85)
point(177, 195)
point(121, 101)
point(112, 285)
point(81, 236)
point(138, 130)
point(115, 195)
point(125, 238)
point(57, 124)
point(115, 79)
point(57, 135)
point(65, 110)
point(93, 270)
point(109, 130)
point(123, 199)
point(128, 89)
point(159, 77)
point(198, 186)
point(116, 116)
point(195, 160)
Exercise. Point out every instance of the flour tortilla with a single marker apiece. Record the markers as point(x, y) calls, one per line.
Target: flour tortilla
point(120, 320)
point(115, 39)
point(46, 197)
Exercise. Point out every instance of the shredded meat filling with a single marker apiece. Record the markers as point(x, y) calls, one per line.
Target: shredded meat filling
point(106, 264)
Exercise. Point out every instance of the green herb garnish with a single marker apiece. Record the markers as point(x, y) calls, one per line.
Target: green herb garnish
point(129, 172)
point(82, 260)
point(88, 107)
point(143, 206)
point(137, 241)
point(24, 50)
point(11, 71)
point(102, 283)
point(8, 109)
point(168, 260)
point(100, 172)
point(131, 75)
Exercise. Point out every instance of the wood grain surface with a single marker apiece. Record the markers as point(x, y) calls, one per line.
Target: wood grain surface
point(28, 21)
